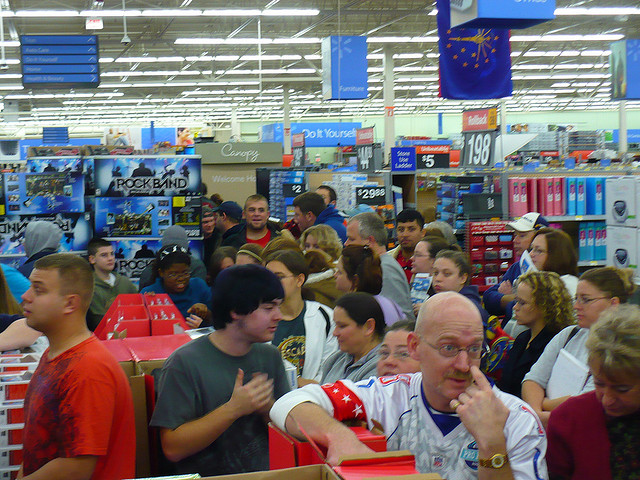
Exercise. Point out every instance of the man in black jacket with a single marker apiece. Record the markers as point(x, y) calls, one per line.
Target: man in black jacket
point(256, 227)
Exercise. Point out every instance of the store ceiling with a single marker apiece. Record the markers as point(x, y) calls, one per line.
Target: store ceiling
point(158, 77)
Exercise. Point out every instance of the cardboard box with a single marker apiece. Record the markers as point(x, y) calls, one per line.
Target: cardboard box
point(31, 193)
point(149, 353)
point(122, 354)
point(139, 394)
point(622, 250)
point(620, 201)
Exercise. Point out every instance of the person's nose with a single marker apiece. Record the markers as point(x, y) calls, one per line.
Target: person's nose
point(461, 361)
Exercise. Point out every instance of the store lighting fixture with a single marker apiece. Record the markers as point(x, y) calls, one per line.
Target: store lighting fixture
point(600, 37)
point(10, 43)
point(47, 13)
point(597, 11)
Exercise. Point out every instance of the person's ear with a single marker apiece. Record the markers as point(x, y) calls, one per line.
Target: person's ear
point(371, 241)
point(300, 279)
point(369, 327)
point(614, 301)
point(92, 259)
point(72, 303)
point(412, 345)
point(244, 214)
point(466, 277)
point(235, 316)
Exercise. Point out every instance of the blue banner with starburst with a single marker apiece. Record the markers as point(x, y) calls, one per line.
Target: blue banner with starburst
point(475, 63)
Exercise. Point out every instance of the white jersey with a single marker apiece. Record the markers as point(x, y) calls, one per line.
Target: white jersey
point(397, 403)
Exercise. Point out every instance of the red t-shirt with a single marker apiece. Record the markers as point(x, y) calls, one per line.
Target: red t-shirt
point(77, 404)
point(261, 241)
point(406, 264)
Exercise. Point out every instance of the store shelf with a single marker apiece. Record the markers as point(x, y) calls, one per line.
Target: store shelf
point(592, 263)
point(575, 218)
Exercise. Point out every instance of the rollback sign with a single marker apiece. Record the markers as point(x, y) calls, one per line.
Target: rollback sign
point(146, 176)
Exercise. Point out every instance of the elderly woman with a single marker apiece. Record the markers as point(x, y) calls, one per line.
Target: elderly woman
point(597, 435)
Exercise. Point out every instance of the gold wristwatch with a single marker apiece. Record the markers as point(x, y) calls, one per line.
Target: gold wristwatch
point(497, 461)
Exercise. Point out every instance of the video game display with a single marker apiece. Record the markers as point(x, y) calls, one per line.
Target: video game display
point(54, 165)
point(187, 212)
point(32, 193)
point(127, 217)
point(76, 231)
point(126, 176)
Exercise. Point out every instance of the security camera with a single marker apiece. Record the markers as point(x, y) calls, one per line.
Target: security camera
point(125, 40)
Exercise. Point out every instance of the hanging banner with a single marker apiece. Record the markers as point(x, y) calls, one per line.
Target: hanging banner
point(298, 150)
point(624, 67)
point(344, 68)
point(474, 63)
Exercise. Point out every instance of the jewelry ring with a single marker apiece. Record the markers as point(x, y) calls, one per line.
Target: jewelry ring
point(456, 404)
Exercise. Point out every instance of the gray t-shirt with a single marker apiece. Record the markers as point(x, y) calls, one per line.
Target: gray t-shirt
point(198, 378)
point(395, 285)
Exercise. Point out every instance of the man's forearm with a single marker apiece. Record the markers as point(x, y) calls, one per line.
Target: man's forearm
point(196, 435)
point(325, 430)
point(75, 468)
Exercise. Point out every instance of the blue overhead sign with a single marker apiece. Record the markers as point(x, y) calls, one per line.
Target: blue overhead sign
point(60, 61)
point(344, 68)
point(330, 134)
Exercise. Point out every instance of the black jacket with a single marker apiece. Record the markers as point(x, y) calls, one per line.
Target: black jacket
point(236, 236)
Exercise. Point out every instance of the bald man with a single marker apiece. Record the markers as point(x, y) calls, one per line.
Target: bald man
point(448, 415)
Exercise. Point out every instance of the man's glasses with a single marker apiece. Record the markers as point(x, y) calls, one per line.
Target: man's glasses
point(448, 350)
point(175, 276)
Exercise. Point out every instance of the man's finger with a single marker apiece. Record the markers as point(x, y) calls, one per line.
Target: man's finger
point(479, 378)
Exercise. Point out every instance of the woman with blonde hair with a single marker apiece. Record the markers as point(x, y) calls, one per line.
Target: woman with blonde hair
point(565, 356)
point(322, 237)
point(596, 436)
point(544, 306)
point(8, 303)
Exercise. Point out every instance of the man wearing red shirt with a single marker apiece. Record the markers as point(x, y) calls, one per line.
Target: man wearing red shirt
point(79, 420)
point(409, 230)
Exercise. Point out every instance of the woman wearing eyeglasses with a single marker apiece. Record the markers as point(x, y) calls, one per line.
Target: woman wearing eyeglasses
point(596, 436)
point(359, 330)
point(561, 371)
point(552, 250)
point(543, 305)
point(191, 296)
point(393, 354)
point(304, 336)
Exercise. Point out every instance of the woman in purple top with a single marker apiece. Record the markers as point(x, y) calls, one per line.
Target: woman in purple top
point(358, 270)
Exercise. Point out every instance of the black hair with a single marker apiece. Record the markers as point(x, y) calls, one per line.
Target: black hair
point(360, 307)
point(171, 255)
point(241, 289)
point(95, 244)
point(332, 193)
point(310, 202)
point(410, 215)
point(363, 268)
point(404, 325)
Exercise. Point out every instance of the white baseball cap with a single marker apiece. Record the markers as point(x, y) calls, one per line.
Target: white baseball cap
point(529, 222)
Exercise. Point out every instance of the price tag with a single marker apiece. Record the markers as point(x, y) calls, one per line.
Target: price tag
point(365, 158)
point(432, 160)
point(293, 189)
point(478, 149)
point(371, 195)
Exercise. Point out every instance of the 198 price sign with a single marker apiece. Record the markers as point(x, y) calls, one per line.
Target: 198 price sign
point(371, 195)
point(478, 149)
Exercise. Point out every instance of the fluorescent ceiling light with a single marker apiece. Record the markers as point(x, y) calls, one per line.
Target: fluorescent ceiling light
point(47, 13)
point(598, 11)
point(231, 12)
point(611, 37)
point(244, 41)
point(171, 12)
point(290, 12)
point(10, 43)
point(110, 13)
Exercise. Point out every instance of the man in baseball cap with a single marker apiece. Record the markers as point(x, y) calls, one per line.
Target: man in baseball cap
point(499, 299)
point(228, 216)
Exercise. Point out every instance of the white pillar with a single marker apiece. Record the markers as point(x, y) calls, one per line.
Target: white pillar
point(622, 129)
point(389, 100)
point(287, 122)
point(236, 132)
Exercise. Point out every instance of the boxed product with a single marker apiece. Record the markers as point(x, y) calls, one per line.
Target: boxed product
point(286, 451)
point(620, 201)
point(158, 175)
point(54, 151)
point(29, 193)
point(622, 247)
point(77, 230)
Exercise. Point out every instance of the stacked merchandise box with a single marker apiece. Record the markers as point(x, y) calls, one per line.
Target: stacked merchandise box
point(284, 186)
point(490, 248)
point(138, 198)
point(621, 195)
point(592, 241)
point(450, 192)
point(51, 189)
point(557, 196)
point(15, 372)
